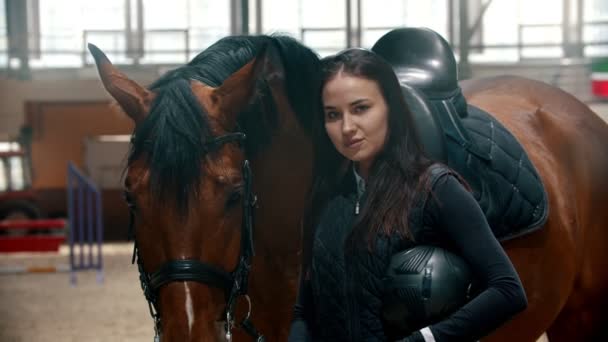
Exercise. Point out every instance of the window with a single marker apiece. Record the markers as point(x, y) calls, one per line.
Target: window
point(3, 175)
point(173, 32)
point(324, 25)
point(66, 25)
point(3, 36)
point(179, 34)
point(8, 146)
point(595, 28)
point(17, 179)
point(319, 24)
point(290, 20)
point(12, 168)
point(379, 18)
point(499, 39)
point(509, 27)
point(541, 23)
point(162, 32)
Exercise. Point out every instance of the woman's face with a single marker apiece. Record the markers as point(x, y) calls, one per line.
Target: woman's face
point(356, 117)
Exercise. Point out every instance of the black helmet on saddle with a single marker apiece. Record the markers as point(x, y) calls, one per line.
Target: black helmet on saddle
point(423, 285)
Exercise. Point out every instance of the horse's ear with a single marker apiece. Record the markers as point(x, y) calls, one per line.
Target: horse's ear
point(239, 90)
point(133, 99)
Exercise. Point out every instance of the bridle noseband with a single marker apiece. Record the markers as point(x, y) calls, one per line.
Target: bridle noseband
point(234, 284)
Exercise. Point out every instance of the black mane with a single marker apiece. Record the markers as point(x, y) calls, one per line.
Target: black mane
point(174, 133)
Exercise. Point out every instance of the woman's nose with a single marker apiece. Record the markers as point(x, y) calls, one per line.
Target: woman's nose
point(348, 126)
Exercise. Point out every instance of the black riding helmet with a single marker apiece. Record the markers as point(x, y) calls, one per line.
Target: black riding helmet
point(423, 285)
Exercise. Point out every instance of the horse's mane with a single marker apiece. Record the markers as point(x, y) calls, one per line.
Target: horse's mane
point(173, 135)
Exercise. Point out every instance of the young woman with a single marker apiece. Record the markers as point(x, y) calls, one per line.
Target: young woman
point(374, 194)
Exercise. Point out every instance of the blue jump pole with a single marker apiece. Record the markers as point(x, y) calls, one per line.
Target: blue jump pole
point(86, 224)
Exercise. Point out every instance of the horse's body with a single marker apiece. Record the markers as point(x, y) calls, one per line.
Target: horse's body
point(561, 265)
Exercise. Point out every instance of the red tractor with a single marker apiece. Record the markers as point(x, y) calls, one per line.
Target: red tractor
point(17, 198)
point(21, 226)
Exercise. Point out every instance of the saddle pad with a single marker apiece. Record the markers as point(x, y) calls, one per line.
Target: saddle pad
point(502, 177)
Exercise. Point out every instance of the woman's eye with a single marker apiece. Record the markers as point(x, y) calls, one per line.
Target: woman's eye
point(331, 115)
point(361, 109)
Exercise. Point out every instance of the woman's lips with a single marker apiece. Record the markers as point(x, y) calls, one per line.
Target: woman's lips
point(353, 143)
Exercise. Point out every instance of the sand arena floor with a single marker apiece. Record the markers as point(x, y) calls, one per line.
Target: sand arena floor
point(45, 307)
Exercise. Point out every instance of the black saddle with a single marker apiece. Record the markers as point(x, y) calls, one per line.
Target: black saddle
point(466, 138)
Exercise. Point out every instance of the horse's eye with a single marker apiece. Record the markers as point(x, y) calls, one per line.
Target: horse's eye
point(234, 198)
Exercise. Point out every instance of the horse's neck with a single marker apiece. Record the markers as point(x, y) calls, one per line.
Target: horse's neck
point(281, 179)
point(281, 174)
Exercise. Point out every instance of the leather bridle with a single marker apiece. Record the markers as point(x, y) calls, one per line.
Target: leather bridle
point(234, 284)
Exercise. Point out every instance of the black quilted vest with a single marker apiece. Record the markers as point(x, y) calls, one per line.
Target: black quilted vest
point(347, 287)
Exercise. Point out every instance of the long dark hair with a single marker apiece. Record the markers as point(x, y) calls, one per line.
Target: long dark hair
point(397, 172)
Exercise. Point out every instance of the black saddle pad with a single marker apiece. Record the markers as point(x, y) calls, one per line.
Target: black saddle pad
point(503, 179)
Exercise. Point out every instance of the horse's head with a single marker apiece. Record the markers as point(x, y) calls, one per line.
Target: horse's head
point(188, 185)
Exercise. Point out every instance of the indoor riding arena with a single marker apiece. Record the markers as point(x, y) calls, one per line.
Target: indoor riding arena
point(79, 79)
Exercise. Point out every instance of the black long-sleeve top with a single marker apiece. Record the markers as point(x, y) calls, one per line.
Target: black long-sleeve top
point(455, 219)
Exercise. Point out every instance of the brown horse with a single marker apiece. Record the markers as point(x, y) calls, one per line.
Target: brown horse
point(562, 266)
point(189, 199)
